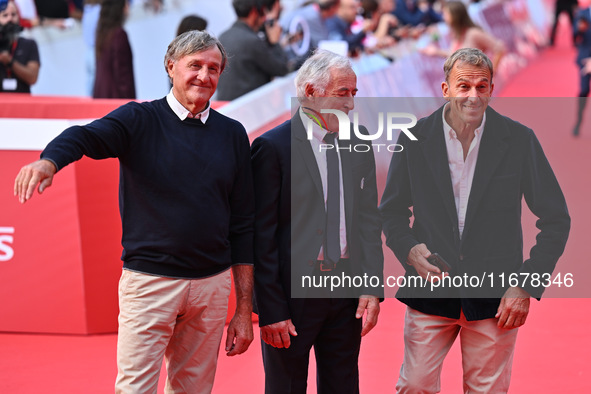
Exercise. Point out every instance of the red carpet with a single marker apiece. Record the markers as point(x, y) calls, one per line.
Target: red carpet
point(553, 348)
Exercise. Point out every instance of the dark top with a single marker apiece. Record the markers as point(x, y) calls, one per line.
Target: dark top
point(114, 69)
point(185, 193)
point(26, 51)
point(582, 39)
point(58, 9)
point(408, 13)
point(252, 62)
point(339, 29)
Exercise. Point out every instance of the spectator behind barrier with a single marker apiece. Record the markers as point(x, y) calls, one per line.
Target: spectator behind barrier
point(191, 22)
point(346, 26)
point(90, 17)
point(254, 61)
point(19, 56)
point(306, 27)
point(59, 13)
point(416, 12)
point(114, 61)
point(466, 34)
point(387, 31)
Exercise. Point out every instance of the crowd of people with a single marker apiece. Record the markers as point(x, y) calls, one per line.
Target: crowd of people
point(264, 42)
point(108, 60)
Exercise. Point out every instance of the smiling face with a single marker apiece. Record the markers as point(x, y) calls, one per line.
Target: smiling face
point(195, 77)
point(468, 89)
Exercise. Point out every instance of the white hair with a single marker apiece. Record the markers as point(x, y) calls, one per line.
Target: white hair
point(316, 71)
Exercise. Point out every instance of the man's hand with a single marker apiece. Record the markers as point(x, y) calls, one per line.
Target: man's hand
point(278, 334)
point(513, 309)
point(240, 334)
point(273, 30)
point(417, 257)
point(371, 304)
point(5, 57)
point(240, 328)
point(40, 173)
point(586, 66)
point(429, 50)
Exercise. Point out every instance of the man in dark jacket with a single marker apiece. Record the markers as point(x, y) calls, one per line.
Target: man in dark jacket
point(325, 227)
point(465, 179)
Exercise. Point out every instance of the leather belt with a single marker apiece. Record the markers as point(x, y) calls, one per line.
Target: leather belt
point(327, 266)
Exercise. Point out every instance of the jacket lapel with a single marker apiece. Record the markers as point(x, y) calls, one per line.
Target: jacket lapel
point(492, 149)
point(302, 150)
point(348, 187)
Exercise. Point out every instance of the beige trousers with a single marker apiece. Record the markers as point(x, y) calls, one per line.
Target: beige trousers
point(181, 320)
point(487, 353)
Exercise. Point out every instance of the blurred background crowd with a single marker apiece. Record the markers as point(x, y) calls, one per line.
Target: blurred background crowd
point(113, 48)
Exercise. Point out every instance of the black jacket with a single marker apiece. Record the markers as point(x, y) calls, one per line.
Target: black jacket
point(511, 166)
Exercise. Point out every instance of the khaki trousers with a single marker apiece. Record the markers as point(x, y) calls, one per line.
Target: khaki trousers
point(181, 320)
point(487, 353)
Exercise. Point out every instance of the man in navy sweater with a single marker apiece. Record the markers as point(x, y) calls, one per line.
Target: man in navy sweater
point(187, 210)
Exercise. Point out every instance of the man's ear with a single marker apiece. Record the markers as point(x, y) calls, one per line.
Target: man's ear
point(309, 90)
point(170, 68)
point(445, 89)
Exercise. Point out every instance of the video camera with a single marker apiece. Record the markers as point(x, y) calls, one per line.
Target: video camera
point(8, 33)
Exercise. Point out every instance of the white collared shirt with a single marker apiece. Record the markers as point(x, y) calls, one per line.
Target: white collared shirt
point(462, 172)
point(318, 134)
point(182, 112)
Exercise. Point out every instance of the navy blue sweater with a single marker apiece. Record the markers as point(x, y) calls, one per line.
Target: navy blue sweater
point(185, 190)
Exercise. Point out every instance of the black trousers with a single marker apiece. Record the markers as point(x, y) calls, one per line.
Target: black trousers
point(329, 325)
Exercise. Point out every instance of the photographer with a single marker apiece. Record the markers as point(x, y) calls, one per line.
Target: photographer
point(19, 57)
point(255, 61)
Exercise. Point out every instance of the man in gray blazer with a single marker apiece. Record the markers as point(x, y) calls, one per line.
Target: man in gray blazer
point(254, 60)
